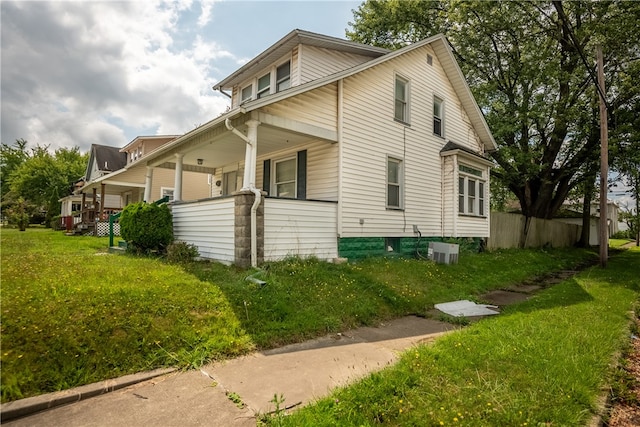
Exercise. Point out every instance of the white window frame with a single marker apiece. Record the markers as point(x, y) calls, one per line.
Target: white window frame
point(406, 102)
point(226, 176)
point(242, 98)
point(440, 101)
point(399, 184)
point(265, 90)
point(282, 79)
point(274, 175)
point(164, 190)
point(472, 204)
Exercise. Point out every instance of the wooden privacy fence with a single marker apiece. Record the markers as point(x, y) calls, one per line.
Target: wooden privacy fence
point(507, 232)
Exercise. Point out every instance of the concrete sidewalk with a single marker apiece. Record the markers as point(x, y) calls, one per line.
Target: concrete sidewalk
point(300, 373)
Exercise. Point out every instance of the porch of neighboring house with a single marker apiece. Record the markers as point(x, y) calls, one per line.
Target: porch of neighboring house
point(93, 216)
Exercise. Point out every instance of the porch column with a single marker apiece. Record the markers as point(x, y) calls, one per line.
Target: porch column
point(177, 186)
point(250, 155)
point(102, 199)
point(83, 211)
point(92, 217)
point(148, 181)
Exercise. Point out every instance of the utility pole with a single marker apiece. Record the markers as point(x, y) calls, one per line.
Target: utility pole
point(604, 162)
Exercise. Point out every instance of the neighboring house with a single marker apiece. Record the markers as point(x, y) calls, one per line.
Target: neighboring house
point(355, 151)
point(112, 177)
point(571, 213)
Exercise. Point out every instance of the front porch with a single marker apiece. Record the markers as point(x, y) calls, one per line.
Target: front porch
point(220, 228)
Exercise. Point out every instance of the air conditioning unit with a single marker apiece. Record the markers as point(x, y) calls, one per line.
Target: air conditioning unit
point(443, 253)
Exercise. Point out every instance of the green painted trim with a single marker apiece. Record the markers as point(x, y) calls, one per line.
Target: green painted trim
point(355, 248)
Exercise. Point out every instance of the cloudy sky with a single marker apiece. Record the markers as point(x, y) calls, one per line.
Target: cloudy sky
point(75, 73)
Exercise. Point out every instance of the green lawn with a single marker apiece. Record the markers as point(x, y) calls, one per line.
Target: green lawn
point(72, 314)
point(543, 362)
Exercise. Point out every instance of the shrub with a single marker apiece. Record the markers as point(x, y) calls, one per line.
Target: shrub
point(146, 227)
point(182, 252)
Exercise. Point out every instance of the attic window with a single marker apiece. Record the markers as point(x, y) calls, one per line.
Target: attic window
point(283, 76)
point(264, 85)
point(437, 116)
point(401, 108)
point(247, 93)
point(429, 59)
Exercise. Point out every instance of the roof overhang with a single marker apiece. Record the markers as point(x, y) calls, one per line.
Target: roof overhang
point(287, 43)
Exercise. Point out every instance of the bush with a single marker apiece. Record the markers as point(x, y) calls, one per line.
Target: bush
point(146, 227)
point(623, 234)
point(182, 252)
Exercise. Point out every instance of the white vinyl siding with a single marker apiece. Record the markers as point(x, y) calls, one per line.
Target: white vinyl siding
point(209, 225)
point(370, 135)
point(322, 168)
point(299, 228)
point(317, 62)
point(317, 107)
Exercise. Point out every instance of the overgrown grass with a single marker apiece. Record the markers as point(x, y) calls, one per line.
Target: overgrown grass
point(543, 362)
point(71, 317)
point(72, 314)
point(616, 243)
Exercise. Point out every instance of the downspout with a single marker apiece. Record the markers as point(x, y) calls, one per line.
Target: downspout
point(340, 128)
point(250, 160)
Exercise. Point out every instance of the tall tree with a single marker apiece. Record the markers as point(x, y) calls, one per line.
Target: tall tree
point(42, 178)
point(527, 65)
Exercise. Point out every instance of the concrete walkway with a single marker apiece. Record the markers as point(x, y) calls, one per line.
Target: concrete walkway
point(300, 373)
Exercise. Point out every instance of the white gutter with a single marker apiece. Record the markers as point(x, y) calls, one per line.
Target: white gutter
point(340, 126)
point(249, 162)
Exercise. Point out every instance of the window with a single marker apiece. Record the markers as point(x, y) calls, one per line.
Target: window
point(264, 85)
point(401, 112)
point(285, 178)
point(283, 76)
point(164, 192)
point(246, 94)
point(437, 116)
point(394, 183)
point(229, 182)
point(471, 192)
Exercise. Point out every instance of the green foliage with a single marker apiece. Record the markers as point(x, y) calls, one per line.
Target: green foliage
point(39, 176)
point(528, 65)
point(132, 314)
point(182, 252)
point(146, 227)
point(19, 214)
point(542, 362)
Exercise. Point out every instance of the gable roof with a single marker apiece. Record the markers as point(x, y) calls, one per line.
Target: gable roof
point(443, 52)
point(441, 48)
point(287, 43)
point(106, 159)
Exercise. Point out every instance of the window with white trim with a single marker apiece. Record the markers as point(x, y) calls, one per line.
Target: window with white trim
point(394, 183)
point(246, 94)
point(285, 178)
point(471, 191)
point(164, 192)
point(264, 85)
point(438, 115)
point(229, 182)
point(283, 76)
point(401, 94)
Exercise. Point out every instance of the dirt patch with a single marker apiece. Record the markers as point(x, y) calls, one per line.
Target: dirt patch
point(625, 409)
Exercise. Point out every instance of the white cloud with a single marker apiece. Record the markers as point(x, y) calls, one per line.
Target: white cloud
point(76, 73)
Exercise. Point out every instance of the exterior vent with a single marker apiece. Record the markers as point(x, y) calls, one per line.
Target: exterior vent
point(429, 59)
point(443, 253)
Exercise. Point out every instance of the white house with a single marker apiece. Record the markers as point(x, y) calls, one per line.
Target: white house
point(334, 149)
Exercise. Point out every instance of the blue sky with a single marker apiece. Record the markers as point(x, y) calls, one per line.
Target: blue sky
point(76, 73)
